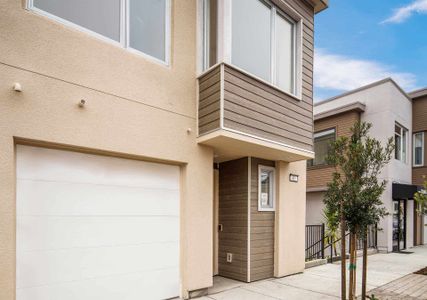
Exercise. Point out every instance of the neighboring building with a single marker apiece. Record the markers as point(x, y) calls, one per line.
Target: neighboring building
point(389, 109)
point(146, 146)
point(419, 139)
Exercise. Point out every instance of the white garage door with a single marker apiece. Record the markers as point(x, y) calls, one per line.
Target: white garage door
point(95, 227)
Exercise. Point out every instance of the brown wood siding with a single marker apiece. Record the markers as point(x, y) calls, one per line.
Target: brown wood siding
point(319, 176)
point(253, 107)
point(262, 230)
point(419, 123)
point(256, 108)
point(209, 101)
point(418, 173)
point(233, 215)
point(419, 114)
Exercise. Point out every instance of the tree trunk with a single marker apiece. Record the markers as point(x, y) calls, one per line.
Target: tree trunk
point(365, 264)
point(350, 269)
point(354, 264)
point(343, 255)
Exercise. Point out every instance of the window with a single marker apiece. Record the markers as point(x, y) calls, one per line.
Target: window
point(400, 140)
point(322, 142)
point(147, 27)
point(251, 41)
point(265, 48)
point(105, 21)
point(210, 33)
point(268, 48)
point(418, 149)
point(141, 25)
point(266, 188)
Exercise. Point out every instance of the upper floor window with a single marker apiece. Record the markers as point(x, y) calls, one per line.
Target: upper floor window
point(139, 25)
point(401, 141)
point(322, 143)
point(210, 33)
point(255, 36)
point(264, 48)
point(418, 149)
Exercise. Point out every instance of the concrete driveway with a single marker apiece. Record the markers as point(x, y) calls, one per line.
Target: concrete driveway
point(322, 282)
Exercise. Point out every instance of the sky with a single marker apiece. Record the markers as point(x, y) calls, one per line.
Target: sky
point(358, 42)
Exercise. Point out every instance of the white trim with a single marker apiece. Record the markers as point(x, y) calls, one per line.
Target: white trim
point(422, 149)
point(267, 140)
point(221, 98)
point(123, 30)
point(227, 34)
point(212, 135)
point(272, 188)
point(123, 22)
point(249, 216)
point(403, 156)
point(206, 30)
point(273, 45)
point(199, 35)
point(323, 133)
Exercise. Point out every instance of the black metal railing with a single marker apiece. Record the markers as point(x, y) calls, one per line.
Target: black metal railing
point(314, 241)
point(319, 246)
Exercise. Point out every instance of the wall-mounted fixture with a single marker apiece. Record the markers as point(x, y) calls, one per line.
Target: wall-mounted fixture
point(82, 103)
point(293, 177)
point(17, 87)
point(189, 130)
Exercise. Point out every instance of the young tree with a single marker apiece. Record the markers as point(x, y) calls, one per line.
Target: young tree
point(354, 192)
point(332, 229)
point(421, 199)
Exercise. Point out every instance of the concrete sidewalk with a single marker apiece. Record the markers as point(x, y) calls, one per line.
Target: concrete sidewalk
point(322, 282)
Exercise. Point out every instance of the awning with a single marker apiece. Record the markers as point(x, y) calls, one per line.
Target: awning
point(403, 191)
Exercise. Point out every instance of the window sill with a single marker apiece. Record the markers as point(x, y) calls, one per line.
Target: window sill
point(266, 210)
point(419, 166)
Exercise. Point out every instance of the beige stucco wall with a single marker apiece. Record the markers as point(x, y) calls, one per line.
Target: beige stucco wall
point(289, 256)
point(135, 108)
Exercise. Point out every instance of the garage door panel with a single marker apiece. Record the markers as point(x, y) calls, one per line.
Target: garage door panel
point(64, 198)
point(47, 267)
point(92, 227)
point(49, 233)
point(65, 166)
point(107, 288)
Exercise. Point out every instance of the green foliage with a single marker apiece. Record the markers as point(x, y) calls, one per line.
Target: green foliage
point(332, 227)
point(421, 199)
point(358, 161)
point(331, 218)
point(372, 297)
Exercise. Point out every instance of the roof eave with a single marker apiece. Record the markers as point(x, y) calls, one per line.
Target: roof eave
point(418, 93)
point(320, 5)
point(355, 106)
